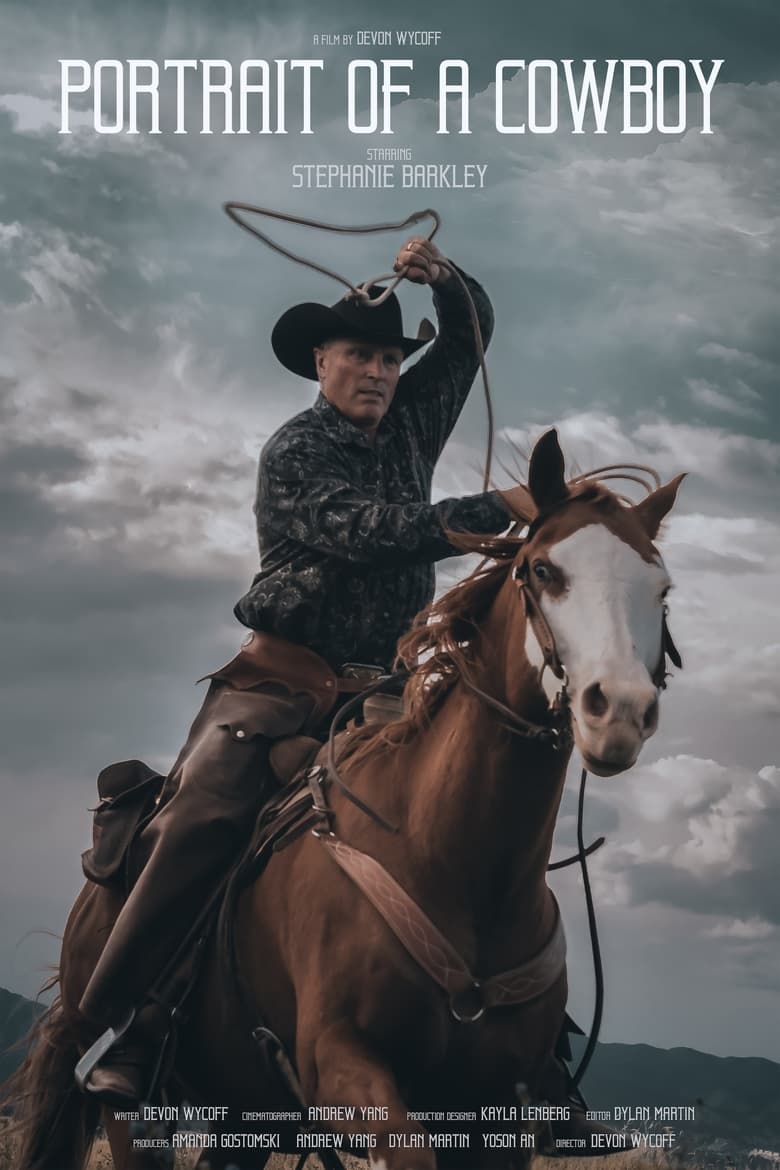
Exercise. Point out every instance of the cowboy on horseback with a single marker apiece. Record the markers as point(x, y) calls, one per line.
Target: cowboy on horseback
point(348, 538)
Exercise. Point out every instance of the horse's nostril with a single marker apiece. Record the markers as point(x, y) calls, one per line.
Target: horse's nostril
point(594, 701)
point(651, 716)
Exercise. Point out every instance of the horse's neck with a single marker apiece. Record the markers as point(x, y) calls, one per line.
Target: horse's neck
point(483, 814)
point(487, 794)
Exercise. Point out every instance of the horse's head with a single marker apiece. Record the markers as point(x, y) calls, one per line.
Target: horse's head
point(592, 570)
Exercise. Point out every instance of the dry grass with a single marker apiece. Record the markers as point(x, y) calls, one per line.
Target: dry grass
point(630, 1160)
point(101, 1160)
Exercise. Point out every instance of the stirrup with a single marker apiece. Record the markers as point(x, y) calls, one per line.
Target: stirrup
point(102, 1045)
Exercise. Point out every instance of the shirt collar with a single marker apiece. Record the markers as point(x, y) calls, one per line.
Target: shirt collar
point(341, 428)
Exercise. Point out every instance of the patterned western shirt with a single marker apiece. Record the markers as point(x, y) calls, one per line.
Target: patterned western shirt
point(347, 532)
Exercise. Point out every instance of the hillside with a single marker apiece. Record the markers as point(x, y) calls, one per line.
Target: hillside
point(16, 1018)
point(736, 1099)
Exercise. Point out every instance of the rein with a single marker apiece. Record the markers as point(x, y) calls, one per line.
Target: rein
point(557, 730)
point(332, 768)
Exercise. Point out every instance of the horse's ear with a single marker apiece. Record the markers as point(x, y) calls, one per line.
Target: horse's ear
point(651, 511)
point(546, 481)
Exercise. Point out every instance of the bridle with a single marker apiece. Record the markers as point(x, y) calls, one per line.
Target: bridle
point(546, 639)
point(556, 730)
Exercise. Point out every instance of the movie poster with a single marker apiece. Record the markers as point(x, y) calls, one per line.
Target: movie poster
point(608, 173)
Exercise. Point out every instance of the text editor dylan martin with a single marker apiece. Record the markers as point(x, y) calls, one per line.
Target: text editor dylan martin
point(184, 96)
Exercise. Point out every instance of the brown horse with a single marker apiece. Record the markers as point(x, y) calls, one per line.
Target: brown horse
point(471, 778)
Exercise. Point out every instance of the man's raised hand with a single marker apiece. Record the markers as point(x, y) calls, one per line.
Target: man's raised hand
point(422, 257)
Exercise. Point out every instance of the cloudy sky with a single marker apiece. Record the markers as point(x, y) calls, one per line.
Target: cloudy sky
point(635, 284)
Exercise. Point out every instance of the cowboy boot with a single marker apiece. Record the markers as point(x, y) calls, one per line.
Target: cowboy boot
point(122, 1066)
point(123, 1077)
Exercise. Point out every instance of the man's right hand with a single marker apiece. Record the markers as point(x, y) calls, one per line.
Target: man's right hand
point(420, 256)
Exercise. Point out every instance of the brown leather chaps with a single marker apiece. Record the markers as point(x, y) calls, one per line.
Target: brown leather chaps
point(209, 805)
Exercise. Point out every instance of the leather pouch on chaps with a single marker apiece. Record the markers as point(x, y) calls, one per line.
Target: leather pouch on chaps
point(245, 714)
point(285, 671)
point(127, 792)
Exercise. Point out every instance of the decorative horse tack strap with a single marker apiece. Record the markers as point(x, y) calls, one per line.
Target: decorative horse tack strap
point(469, 996)
point(546, 639)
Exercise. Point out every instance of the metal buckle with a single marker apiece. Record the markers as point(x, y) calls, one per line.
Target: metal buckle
point(316, 777)
point(464, 1015)
point(560, 730)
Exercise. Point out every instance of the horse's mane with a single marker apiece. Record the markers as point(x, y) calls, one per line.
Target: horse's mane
point(444, 639)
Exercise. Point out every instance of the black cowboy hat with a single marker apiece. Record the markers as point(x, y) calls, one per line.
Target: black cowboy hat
point(303, 327)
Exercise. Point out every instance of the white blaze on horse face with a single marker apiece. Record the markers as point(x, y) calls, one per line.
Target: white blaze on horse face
point(607, 626)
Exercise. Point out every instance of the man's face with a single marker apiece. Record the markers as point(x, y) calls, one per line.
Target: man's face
point(359, 378)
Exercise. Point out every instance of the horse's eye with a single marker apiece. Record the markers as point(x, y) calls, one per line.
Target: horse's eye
point(541, 572)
